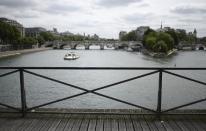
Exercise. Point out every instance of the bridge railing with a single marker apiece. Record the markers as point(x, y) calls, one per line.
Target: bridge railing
point(159, 111)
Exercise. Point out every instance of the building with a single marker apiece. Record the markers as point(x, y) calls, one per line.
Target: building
point(54, 32)
point(193, 36)
point(195, 33)
point(140, 32)
point(167, 29)
point(121, 34)
point(34, 31)
point(180, 31)
point(15, 24)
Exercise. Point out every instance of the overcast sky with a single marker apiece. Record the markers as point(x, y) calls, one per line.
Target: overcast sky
point(106, 17)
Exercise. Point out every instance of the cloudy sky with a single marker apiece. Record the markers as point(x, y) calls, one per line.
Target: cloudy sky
point(106, 17)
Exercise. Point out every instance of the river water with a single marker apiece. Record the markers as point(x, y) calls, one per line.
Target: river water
point(143, 91)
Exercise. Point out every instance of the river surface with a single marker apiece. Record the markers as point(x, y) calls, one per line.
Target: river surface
point(143, 91)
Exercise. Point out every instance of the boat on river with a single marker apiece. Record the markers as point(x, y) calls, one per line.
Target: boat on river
point(71, 56)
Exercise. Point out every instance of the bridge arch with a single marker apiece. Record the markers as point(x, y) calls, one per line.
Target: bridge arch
point(101, 46)
point(79, 45)
point(109, 45)
point(201, 48)
point(62, 46)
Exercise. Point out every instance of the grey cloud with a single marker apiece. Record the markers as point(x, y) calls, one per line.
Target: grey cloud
point(89, 23)
point(16, 3)
point(85, 24)
point(192, 20)
point(116, 3)
point(138, 18)
point(144, 5)
point(201, 31)
point(62, 9)
point(25, 15)
point(189, 10)
point(18, 13)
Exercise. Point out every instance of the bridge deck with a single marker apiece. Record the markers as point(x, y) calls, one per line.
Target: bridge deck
point(72, 122)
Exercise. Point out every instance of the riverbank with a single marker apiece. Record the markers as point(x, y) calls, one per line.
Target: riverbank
point(19, 52)
point(159, 55)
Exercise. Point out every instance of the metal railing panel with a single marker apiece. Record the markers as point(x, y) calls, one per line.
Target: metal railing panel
point(159, 111)
point(184, 77)
point(9, 73)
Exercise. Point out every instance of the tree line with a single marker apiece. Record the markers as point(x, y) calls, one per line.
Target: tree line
point(11, 35)
point(161, 41)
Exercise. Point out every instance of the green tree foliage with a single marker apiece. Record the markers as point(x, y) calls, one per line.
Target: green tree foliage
point(182, 35)
point(145, 35)
point(159, 41)
point(191, 39)
point(202, 40)
point(150, 42)
point(9, 34)
point(166, 38)
point(47, 36)
point(28, 41)
point(131, 36)
point(78, 38)
point(74, 38)
point(174, 35)
point(160, 46)
point(40, 40)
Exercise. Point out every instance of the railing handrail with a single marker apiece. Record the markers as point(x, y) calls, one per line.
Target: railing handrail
point(107, 68)
point(160, 70)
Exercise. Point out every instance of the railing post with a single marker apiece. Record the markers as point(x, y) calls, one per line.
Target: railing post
point(23, 95)
point(159, 100)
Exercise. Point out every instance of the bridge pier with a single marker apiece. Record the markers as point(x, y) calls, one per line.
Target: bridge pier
point(86, 46)
point(102, 47)
point(73, 48)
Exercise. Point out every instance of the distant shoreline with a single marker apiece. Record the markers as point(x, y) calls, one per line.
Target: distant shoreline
point(19, 52)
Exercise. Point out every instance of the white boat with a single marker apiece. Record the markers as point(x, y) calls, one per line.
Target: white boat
point(71, 56)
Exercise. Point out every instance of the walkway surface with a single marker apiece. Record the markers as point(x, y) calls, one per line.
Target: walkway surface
point(18, 52)
point(74, 122)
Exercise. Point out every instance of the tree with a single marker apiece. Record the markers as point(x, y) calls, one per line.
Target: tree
point(40, 40)
point(47, 36)
point(182, 35)
point(150, 42)
point(167, 39)
point(146, 34)
point(9, 34)
point(131, 36)
point(159, 41)
point(203, 40)
point(124, 38)
point(75, 38)
point(173, 34)
point(28, 41)
point(78, 38)
point(160, 46)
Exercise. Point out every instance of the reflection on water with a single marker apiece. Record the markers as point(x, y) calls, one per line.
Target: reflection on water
point(143, 91)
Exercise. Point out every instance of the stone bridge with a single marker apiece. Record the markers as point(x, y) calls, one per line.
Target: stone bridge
point(87, 44)
point(191, 47)
point(200, 47)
